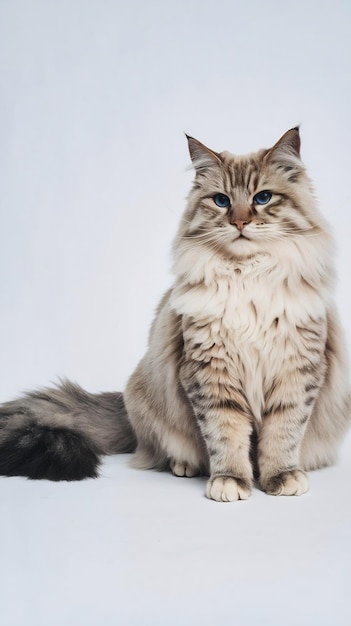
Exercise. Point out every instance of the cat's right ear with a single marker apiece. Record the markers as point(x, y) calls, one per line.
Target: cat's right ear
point(202, 157)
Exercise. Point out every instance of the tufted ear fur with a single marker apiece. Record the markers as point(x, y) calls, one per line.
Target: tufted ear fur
point(287, 149)
point(202, 157)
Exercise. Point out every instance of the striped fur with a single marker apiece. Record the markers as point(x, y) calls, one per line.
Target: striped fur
point(245, 373)
point(245, 366)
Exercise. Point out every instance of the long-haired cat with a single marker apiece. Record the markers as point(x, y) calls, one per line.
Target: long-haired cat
point(245, 372)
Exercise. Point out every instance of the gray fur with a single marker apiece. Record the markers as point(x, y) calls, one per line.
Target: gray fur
point(245, 371)
point(101, 417)
point(68, 426)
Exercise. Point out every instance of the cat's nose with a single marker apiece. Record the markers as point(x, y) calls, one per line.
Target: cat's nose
point(240, 215)
point(240, 223)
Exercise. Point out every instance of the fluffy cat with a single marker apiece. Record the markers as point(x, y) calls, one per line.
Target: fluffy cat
point(245, 374)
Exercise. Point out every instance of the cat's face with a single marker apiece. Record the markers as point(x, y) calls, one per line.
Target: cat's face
point(242, 205)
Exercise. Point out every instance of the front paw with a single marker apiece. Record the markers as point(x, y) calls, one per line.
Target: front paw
point(289, 483)
point(228, 489)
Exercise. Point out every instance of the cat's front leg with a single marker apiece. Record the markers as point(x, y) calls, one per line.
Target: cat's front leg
point(289, 405)
point(226, 426)
point(282, 431)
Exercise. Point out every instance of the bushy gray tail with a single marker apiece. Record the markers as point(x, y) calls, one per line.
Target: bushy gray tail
point(61, 433)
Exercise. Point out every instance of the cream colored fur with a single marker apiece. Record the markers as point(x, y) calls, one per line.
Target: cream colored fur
point(245, 367)
point(245, 376)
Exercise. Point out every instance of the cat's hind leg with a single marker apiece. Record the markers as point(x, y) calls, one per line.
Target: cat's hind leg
point(153, 456)
point(331, 416)
point(183, 468)
point(165, 429)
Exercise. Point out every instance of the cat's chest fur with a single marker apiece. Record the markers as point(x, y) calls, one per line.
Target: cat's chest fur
point(246, 297)
point(247, 324)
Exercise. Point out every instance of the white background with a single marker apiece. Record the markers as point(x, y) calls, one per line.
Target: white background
point(95, 97)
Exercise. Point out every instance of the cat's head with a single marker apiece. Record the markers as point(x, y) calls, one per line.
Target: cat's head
point(244, 205)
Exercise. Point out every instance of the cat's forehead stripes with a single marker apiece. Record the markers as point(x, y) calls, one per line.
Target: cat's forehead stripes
point(236, 175)
point(242, 172)
point(247, 173)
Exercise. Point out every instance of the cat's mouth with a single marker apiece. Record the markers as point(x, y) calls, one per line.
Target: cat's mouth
point(243, 235)
point(244, 243)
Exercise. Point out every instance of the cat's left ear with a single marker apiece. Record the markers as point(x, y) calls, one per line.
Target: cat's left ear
point(287, 148)
point(203, 158)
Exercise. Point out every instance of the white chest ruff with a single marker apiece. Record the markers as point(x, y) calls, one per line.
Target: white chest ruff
point(246, 324)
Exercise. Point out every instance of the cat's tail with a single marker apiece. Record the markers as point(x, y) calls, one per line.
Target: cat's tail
point(61, 433)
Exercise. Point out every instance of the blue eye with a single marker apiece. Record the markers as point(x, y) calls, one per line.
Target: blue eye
point(221, 200)
point(263, 197)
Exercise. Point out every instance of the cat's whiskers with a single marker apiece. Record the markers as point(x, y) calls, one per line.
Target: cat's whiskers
point(222, 236)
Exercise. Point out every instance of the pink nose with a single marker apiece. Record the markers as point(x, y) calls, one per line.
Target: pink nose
point(240, 223)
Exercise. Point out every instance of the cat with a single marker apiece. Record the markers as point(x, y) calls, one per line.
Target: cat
point(245, 376)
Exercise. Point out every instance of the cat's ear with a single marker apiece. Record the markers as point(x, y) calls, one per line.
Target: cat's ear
point(287, 148)
point(202, 157)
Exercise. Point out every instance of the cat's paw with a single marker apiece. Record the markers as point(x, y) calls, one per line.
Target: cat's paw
point(228, 489)
point(179, 468)
point(289, 483)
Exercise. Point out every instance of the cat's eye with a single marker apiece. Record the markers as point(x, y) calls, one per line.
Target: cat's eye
point(221, 200)
point(262, 197)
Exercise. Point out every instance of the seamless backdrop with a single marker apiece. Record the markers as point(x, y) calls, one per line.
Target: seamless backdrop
point(95, 98)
